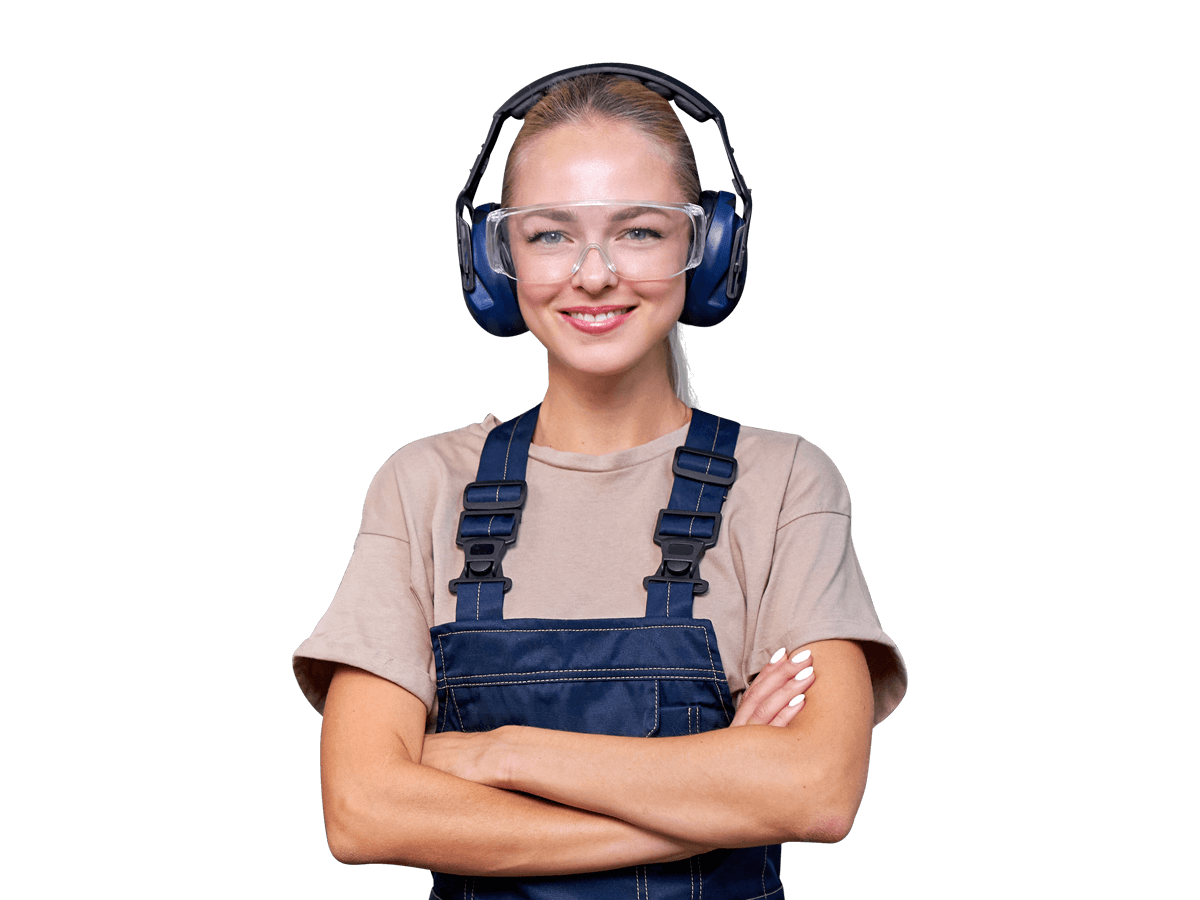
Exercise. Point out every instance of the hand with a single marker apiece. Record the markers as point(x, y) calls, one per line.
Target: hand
point(776, 696)
point(469, 755)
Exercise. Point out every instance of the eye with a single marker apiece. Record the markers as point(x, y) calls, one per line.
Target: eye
point(547, 238)
point(642, 234)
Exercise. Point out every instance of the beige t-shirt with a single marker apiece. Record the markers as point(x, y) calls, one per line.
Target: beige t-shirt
point(782, 574)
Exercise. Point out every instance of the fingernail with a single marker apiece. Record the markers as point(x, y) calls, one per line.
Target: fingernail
point(779, 654)
point(802, 656)
point(797, 700)
point(803, 673)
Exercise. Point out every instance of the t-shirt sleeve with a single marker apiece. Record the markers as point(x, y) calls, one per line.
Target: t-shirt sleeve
point(376, 621)
point(816, 590)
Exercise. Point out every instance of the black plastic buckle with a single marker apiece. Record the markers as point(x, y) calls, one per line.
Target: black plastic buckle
point(483, 556)
point(705, 477)
point(484, 552)
point(681, 555)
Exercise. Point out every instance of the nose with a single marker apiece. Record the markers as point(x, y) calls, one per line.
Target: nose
point(592, 273)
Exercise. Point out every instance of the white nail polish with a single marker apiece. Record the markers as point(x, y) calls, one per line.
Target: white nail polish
point(803, 673)
point(779, 654)
point(797, 700)
point(802, 656)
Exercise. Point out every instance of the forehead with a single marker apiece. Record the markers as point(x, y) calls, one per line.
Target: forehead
point(594, 162)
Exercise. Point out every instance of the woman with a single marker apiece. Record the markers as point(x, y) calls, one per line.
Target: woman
point(538, 700)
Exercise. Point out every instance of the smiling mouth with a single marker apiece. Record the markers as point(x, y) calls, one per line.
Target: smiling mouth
point(599, 317)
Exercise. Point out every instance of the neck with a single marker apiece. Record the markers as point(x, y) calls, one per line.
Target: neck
point(604, 414)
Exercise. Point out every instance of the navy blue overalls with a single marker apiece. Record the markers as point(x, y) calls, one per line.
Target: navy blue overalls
point(644, 677)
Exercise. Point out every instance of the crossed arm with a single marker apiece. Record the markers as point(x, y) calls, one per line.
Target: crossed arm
point(526, 801)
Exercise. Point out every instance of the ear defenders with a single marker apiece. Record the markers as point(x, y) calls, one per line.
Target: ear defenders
point(713, 288)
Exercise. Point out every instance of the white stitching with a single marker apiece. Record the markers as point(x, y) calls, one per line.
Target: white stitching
point(763, 878)
point(445, 710)
point(472, 684)
point(767, 894)
point(654, 728)
point(572, 630)
point(512, 434)
point(450, 687)
point(592, 669)
point(707, 471)
point(714, 671)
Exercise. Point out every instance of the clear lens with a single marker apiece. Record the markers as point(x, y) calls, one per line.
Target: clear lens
point(638, 241)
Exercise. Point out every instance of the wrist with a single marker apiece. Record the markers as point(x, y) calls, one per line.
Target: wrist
point(505, 753)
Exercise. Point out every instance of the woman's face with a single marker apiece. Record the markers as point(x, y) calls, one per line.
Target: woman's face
point(605, 161)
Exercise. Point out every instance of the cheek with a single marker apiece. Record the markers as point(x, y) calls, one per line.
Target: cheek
point(531, 296)
point(666, 295)
point(533, 300)
point(535, 293)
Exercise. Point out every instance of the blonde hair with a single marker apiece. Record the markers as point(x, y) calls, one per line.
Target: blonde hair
point(678, 369)
point(601, 97)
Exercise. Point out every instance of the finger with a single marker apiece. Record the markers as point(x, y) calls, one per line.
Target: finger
point(755, 707)
point(789, 712)
point(776, 673)
point(774, 687)
point(768, 707)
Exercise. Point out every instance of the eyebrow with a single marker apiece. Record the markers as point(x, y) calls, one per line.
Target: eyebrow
point(568, 214)
point(632, 212)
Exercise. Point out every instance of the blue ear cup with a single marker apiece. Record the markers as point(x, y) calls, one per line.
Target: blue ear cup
point(706, 302)
point(492, 302)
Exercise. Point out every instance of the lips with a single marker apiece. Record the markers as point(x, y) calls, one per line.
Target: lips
point(597, 319)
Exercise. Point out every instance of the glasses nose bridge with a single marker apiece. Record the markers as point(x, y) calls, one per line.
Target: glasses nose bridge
point(605, 258)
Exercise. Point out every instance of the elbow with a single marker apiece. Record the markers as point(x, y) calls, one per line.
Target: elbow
point(825, 827)
point(359, 830)
point(822, 809)
point(344, 849)
point(821, 824)
point(345, 841)
point(353, 837)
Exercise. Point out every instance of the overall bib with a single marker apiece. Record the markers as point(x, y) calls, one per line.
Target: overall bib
point(660, 675)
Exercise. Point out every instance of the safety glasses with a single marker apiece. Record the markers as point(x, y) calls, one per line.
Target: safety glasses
point(635, 239)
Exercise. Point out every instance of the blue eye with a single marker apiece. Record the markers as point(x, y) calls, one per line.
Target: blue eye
point(547, 237)
point(642, 234)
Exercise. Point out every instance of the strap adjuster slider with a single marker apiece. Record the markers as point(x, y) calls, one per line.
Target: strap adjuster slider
point(707, 476)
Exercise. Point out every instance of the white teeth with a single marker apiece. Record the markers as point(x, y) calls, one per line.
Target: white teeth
point(588, 317)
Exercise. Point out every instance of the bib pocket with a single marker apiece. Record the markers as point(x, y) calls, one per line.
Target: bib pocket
point(610, 676)
point(580, 701)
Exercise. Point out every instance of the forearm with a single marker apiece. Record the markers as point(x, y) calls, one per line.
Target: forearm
point(728, 788)
point(420, 817)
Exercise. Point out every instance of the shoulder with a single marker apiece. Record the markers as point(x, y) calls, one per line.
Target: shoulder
point(450, 450)
point(417, 476)
point(805, 478)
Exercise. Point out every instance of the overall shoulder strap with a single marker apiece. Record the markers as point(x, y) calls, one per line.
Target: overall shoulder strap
point(704, 469)
point(491, 515)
